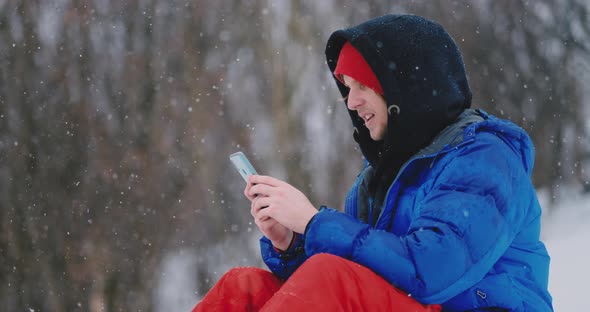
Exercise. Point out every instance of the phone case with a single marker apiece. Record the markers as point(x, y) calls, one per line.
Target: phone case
point(242, 164)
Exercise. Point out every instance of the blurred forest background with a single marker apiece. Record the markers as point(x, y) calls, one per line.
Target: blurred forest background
point(117, 117)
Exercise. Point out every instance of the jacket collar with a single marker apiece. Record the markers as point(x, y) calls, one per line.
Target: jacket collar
point(453, 134)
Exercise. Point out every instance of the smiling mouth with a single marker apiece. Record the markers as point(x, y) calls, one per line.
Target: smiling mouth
point(368, 117)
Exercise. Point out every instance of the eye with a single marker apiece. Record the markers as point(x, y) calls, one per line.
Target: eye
point(341, 78)
point(362, 87)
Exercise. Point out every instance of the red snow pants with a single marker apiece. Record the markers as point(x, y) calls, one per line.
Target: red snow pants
point(322, 283)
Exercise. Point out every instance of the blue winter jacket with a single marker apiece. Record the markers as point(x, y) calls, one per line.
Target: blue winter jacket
point(466, 226)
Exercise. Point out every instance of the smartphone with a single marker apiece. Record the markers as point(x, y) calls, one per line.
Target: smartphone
point(243, 165)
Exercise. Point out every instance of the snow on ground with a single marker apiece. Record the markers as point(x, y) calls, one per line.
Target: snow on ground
point(566, 233)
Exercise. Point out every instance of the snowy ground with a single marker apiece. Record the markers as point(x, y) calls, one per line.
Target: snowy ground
point(566, 233)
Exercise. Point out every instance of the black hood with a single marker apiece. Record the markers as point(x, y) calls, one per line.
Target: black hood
point(421, 71)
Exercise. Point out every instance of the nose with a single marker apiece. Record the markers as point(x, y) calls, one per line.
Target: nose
point(354, 100)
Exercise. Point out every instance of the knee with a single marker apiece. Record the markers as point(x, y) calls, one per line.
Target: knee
point(247, 279)
point(324, 262)
point(323, 269)
point(245, 273)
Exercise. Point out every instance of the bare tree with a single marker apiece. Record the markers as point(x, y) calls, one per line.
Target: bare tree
point(116, 119)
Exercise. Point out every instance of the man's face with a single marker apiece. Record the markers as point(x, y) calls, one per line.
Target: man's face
point(369, 105)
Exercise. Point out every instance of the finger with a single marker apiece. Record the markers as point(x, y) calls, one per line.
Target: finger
point(261, 223)
point(261, 190)
point(265, 223)
point(256, 205)
point(260, 179)
point(256, 209)
point(264, 212)
point(247, 191)
point(253, 209)
point(260, 203)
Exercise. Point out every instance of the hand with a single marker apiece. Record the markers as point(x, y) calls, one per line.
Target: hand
point(278, 200)
point(279, 235)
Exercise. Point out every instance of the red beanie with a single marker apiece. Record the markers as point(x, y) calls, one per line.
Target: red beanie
point(351, 63)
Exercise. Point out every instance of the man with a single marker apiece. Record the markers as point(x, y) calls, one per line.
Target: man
point(443, 216)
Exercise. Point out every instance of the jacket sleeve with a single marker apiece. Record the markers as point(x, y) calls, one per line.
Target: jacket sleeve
point(459, 230)
point(283, 263)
